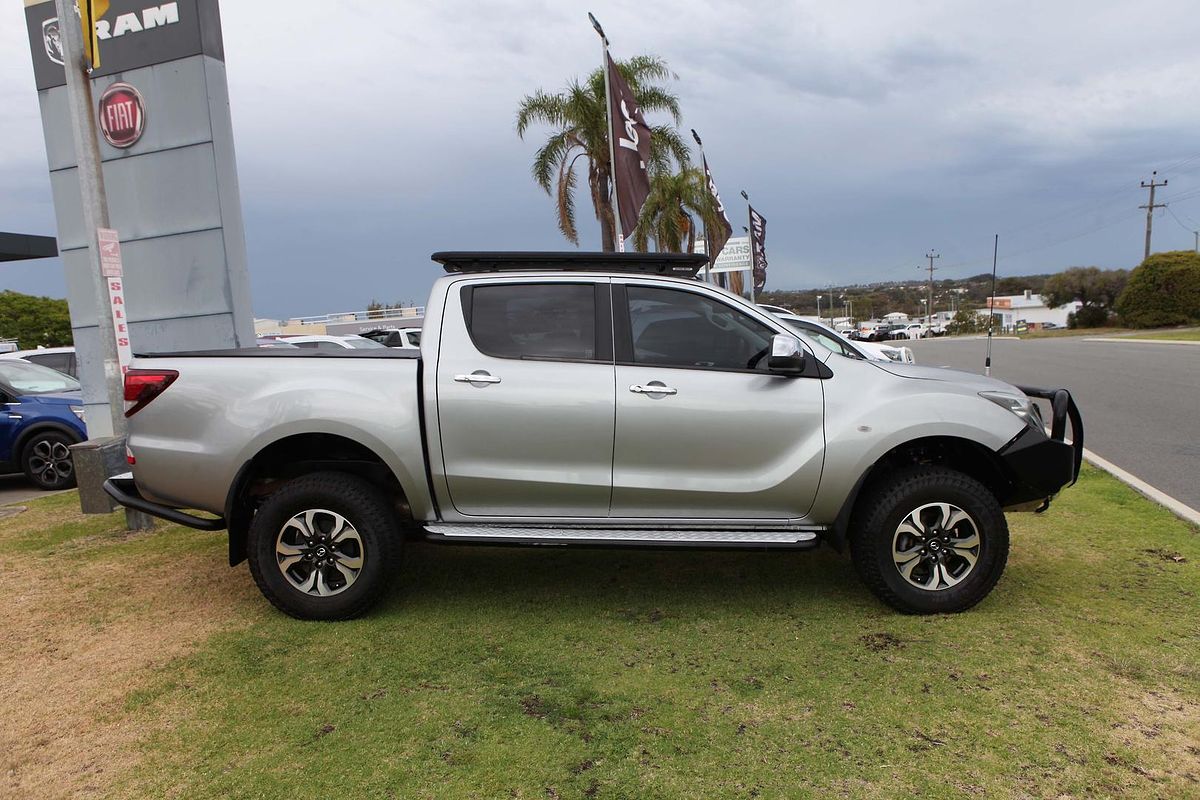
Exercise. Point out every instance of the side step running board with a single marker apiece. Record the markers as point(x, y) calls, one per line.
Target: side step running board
point(620, 537)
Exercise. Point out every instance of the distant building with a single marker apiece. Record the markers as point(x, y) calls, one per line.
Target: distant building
point(1028, 309)
point(895, 317)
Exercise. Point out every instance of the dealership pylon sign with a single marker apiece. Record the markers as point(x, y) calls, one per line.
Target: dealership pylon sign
point(163, 159)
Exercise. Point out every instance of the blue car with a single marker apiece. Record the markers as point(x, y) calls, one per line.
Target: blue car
point(41, 416)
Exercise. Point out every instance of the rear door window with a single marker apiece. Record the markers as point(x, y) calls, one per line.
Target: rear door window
point(58, 361)
point(535, 321)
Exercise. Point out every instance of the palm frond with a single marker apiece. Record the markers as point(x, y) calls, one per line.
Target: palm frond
point(539, 107)
point(655, 98)
point(566, 201)
point(550, 157)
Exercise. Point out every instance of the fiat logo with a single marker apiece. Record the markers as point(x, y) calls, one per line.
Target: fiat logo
point(122, 115)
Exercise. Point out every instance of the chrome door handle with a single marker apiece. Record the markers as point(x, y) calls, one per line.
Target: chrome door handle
point(654, 387)
point(478, 376)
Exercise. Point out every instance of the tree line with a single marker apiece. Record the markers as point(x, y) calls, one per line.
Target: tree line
point(34, 321)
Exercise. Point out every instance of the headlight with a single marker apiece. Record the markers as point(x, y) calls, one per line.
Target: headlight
point(78, 411)
point(1021, 405)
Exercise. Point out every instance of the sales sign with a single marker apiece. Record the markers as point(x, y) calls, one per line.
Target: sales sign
point(111, 269)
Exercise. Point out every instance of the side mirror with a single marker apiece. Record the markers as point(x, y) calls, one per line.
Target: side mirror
point(787, 356)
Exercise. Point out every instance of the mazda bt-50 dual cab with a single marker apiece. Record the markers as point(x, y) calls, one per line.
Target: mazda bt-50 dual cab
point(595, 400)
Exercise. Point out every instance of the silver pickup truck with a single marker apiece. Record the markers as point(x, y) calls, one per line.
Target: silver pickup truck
point(595, 400)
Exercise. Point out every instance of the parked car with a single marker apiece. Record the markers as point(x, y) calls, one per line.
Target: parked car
point(884, 332)
point(912, 330)
point(584, 399)
point(275, 341)
point(42, 418)
point(396, 337)
point(330, 342)
point(59, 358)
point(875, 352)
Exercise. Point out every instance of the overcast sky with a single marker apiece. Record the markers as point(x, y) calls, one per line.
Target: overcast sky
point(370, 134)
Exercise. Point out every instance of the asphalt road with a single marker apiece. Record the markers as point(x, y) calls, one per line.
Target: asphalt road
point(1140, 402)
point(18, 489)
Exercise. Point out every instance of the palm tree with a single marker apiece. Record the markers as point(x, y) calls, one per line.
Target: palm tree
point(580, 125)
point(667, 215)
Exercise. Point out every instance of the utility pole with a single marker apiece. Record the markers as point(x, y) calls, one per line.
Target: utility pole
point(95, 215)
point(1151, 206)
point(931, 255)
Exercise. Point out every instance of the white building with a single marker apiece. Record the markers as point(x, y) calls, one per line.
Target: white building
point(1028, 309)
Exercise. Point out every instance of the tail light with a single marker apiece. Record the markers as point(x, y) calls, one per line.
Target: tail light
point(143, 385)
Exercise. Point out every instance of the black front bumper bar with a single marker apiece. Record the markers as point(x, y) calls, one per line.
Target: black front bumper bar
point(1039, 466)
point(125, 492)
point(1063, 409)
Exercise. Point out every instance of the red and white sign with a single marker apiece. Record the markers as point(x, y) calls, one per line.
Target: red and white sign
point(110, 252)
point(111, 269)
point(122, 115)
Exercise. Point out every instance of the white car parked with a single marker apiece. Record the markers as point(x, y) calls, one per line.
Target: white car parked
point(915, 330)
point(58, 358)
point(330, 342)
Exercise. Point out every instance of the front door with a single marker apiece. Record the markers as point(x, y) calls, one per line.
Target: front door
point(704, 431)
point(525, 398)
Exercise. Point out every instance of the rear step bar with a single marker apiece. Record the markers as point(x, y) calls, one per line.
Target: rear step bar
point(791, 539)
point(122, 489)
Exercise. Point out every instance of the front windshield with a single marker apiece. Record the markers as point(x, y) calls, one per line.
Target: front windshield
point(362, 343)
point(25, 378)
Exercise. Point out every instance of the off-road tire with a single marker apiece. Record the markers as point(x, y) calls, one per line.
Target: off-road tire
point(887, 504)
point(362, 505)
point(44, 447)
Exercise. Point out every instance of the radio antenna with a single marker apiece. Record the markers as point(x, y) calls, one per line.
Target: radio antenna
point(987, 363)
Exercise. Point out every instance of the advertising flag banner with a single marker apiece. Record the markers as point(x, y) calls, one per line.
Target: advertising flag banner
point(758, 248)
point(631, 150)
point(720, 234)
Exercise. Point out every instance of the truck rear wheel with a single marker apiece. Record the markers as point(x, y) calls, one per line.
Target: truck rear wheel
point(324, 546)
point(930, 540)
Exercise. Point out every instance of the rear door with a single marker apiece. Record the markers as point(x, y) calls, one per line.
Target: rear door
point(703, 430)
point(525, 397)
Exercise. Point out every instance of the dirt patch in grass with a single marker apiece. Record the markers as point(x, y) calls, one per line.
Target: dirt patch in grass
point(1159, 743)
point(83, 631)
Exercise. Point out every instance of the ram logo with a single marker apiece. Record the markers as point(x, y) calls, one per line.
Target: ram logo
point(52, 38)
point(134, 22)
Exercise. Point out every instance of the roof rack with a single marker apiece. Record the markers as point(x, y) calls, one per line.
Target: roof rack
point(680, 265)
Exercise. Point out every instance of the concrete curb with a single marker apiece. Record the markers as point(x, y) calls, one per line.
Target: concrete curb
point(1176, 507)
point(1138, 341)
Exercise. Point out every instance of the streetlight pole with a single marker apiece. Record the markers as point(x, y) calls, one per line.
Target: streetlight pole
point(95, 216)
point(749, 236)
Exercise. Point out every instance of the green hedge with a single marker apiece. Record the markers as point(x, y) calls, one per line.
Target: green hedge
point(1163, 290)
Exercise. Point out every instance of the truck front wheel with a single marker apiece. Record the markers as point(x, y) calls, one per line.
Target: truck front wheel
point(324, 546)
point(930, 540)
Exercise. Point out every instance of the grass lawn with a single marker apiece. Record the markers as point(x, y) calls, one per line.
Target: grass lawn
point(1185, 335)
point(1058, 333)
point(141, 666)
